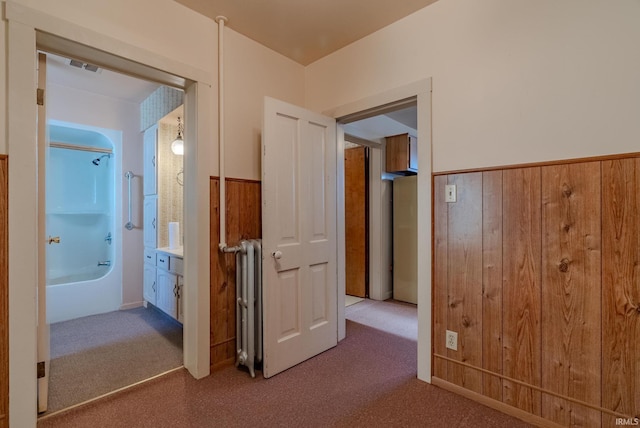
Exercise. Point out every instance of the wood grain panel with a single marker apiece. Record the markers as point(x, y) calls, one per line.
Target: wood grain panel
point(397, 153)
point(440, 277)
point(244, 221)
point(492, 282)
point(571, 279)
point(355, 221)
point(521, 282)
point(465, 279)
point(620, 289)
point(4, 292)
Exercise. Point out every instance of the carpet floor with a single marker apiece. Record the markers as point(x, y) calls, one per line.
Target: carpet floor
point(94, 355)
point(391, 316)
point(368, 380)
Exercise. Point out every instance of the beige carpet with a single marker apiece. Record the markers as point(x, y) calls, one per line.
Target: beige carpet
point(368, 380)
point(391, 316)
point(351, 300)
point(98, 354)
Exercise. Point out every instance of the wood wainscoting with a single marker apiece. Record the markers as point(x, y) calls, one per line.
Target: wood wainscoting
point(4, 292)
point(243, 221)
point(537, 269)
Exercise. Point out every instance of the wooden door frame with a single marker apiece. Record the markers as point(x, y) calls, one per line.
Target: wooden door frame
point(27, 31)
point(420, 91)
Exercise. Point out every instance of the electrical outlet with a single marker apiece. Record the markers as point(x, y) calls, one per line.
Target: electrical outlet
point(450, 193)
point(452, 340)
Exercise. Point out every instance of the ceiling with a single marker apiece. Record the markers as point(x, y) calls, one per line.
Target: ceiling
point(306, 30)
point(102, 82)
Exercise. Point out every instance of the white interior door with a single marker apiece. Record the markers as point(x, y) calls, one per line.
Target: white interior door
point(299, 235)
point(43, 326)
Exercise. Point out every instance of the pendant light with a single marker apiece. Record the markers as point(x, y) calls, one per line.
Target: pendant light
point(177, 147)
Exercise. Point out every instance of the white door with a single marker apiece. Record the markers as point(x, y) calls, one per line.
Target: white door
point(43, 326)
point(299, 235)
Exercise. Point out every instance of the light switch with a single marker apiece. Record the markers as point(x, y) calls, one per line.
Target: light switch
point(450, 193)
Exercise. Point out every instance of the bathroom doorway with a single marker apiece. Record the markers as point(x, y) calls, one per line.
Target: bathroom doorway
point(103, 335)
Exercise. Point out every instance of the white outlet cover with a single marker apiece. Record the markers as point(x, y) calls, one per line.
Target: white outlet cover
point(452, 340)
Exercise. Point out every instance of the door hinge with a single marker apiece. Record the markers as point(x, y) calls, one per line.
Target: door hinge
point(40, 369)
point(40, 97)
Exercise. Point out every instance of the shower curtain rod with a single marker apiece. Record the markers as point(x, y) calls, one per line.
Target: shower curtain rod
point(57, 145)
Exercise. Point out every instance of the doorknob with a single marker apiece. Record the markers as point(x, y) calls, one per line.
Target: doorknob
point(277, 255)
point(53, 240)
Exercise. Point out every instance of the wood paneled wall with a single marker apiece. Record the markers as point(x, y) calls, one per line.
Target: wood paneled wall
point(243, 221)
point(538, 271)
point(4, 292)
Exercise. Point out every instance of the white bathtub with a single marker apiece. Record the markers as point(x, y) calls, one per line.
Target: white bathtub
point(84, 273)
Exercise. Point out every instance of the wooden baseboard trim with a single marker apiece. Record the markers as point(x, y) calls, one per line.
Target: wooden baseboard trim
point(536, 388)
point(494, 404)
point(222, 364)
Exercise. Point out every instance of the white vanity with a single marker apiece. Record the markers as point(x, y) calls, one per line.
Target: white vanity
point(163, 280)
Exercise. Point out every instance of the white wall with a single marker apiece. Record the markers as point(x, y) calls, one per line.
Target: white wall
point(3, 89)
point(514, 81)
point(78, 106)
point(251, 73)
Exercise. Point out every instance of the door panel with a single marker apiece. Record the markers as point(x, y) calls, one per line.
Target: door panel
point(355, 221)
point(299, 235)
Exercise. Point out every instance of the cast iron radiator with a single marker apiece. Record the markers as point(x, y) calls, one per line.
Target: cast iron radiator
point(249, 304)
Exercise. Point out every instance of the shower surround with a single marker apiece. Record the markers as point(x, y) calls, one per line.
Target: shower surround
point(84, 274)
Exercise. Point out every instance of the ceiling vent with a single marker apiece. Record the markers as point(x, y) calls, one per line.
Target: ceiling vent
point(88, 67)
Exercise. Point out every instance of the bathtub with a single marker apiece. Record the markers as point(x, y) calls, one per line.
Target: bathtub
point(83, 210)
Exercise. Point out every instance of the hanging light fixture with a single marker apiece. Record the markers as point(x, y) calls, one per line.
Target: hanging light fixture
point(177, 147)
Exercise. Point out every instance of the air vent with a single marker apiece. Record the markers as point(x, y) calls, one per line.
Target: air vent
point(88, 67)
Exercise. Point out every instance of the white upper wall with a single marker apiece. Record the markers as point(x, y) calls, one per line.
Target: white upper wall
point(161, 26)
point(252, 72)
point(514, 81)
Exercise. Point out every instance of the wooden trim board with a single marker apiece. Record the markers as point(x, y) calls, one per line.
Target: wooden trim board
point(4, 291)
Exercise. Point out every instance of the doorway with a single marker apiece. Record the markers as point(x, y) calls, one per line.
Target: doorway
point(390, 269)
point(56, 35)
point(99, 330)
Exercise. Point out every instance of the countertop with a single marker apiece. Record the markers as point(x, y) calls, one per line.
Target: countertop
point(177, 252)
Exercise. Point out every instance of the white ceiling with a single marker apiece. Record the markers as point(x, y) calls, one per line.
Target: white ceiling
point(306, 30)
point(376, 128)
point(102, 82)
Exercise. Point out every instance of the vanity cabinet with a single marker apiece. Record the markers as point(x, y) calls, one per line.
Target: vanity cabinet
point(169, 283)
point(149, 276)
point(150, 219)
point(150, 154)
point(167, 297)
point(402, 154)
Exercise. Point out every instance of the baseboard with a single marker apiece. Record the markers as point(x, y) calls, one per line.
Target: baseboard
point(495, 404)
point(132, 305)
point(222, 364)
